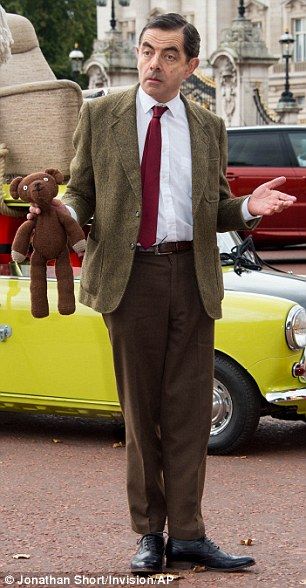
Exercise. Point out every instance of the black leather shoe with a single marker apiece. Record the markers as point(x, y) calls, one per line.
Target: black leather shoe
point(150, 555)
point(185, 554)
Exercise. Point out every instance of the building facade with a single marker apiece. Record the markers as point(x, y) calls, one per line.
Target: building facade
point(212, 18)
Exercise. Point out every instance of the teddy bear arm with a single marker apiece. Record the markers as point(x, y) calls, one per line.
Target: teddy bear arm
point(74, 231)
point(23, 237)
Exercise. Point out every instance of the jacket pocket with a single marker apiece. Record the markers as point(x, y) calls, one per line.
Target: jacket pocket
point(92, 266)
point(212, 187)
point(218, 271)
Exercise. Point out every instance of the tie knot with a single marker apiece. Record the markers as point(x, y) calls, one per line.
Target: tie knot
point(158, 111)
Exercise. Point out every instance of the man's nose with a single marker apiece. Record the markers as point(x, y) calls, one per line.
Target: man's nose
point(155, 63)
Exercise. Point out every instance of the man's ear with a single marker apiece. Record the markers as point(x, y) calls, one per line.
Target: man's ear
point(56, 174)
point(14, 187)
point(192, 64)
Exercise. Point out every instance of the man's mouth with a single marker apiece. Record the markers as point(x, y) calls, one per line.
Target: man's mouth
point(153, 80)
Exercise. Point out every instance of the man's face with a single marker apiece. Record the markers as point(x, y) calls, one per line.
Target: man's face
point(162, 63)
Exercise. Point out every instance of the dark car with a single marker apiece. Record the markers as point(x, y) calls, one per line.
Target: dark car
point(259, 154)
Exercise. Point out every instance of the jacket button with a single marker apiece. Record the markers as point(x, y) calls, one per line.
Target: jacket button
point(132, 246)
point(137, 213)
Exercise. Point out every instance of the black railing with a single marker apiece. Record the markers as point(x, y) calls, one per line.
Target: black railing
point(264, 115)
point(200, 89)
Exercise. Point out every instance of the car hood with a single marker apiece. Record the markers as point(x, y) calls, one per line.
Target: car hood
point(267, 282)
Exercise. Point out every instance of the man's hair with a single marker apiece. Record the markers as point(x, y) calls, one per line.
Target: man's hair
point(173, 22)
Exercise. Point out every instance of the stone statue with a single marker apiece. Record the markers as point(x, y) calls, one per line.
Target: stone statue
point(228, 86)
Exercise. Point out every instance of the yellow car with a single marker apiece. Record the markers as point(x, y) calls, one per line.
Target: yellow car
point(63, 364)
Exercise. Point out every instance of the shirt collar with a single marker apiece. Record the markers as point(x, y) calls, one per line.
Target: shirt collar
point(147, 102)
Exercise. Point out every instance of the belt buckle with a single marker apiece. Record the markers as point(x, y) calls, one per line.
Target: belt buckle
point(157, 252)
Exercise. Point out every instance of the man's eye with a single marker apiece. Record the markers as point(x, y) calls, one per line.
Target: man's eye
point(170, 57)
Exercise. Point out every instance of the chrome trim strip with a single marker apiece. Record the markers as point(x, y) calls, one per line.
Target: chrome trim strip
point(286, 396)
point(15, 397)
point(27, 278)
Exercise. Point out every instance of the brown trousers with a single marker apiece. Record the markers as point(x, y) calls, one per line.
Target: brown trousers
point(162, 343)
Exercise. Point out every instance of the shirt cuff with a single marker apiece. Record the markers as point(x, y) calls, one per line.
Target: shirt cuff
point(247, 216)
point(72, 212)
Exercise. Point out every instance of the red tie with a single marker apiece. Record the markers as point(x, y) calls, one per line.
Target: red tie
point(150, 168)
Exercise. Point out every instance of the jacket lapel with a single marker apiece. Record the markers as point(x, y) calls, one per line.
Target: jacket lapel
point(124, 128)
point(199, 138)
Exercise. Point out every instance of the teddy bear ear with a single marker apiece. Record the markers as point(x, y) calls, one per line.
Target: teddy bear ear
point(57, 175)
point(14, 187)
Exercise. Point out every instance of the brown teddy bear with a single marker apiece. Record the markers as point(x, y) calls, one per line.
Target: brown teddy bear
point(49, 234)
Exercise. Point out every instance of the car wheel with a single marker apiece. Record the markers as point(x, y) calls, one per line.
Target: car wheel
point(236, 408)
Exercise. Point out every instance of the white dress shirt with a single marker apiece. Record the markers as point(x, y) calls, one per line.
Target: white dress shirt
point(175, 205)
point(175, 221)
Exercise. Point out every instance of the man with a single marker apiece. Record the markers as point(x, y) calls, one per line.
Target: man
point(152, 269)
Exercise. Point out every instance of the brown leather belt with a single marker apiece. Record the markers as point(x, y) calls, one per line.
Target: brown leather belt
point(166, 248)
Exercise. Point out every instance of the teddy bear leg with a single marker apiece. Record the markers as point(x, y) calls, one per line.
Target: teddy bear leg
point(39, 300)
point(65, 284)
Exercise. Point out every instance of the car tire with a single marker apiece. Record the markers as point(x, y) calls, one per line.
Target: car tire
point(236, 407)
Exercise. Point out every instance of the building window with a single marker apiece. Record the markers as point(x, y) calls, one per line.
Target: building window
point(128, 31)
point(300, 39)
point(131, 37)
point(301, 100)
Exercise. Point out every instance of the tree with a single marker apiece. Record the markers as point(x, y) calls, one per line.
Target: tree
point(59, 24)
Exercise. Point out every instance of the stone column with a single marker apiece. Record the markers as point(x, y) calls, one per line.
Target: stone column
point(288, 113)
point(240, 65)
point(142, 12)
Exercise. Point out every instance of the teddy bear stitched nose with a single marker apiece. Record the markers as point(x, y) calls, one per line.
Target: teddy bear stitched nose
point(37, 186)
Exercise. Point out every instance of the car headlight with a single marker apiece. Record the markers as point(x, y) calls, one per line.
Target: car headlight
point(296, 327)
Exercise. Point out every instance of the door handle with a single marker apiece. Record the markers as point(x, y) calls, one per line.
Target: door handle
point(5, 332)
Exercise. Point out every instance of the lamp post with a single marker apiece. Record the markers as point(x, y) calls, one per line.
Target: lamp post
point(241, 9)
point(113, 21)
point(286, 42)
point(76, 61)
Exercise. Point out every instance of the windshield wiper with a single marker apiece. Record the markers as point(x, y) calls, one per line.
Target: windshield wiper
point(240, 260)
point(242, 263)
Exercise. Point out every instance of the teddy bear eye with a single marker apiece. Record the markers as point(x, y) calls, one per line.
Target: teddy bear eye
point(46, 180)
point(25, 188)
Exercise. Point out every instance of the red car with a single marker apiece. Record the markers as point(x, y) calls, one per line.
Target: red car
point(259, 154)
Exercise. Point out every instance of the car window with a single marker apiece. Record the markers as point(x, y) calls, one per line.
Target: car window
point(260, 149)
point(298, 142)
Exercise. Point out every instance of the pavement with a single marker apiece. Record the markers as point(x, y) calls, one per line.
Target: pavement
point(63, 504)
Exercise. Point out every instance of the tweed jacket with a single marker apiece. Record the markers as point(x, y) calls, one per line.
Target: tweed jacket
point(105, 184)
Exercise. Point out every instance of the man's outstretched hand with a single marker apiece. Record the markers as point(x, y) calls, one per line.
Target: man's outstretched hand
point(267, 200)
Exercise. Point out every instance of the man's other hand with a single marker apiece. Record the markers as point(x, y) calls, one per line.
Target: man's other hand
point(35, 210)
point(266, 200)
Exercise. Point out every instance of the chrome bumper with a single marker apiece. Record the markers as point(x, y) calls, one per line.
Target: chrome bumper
point(286, 396)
